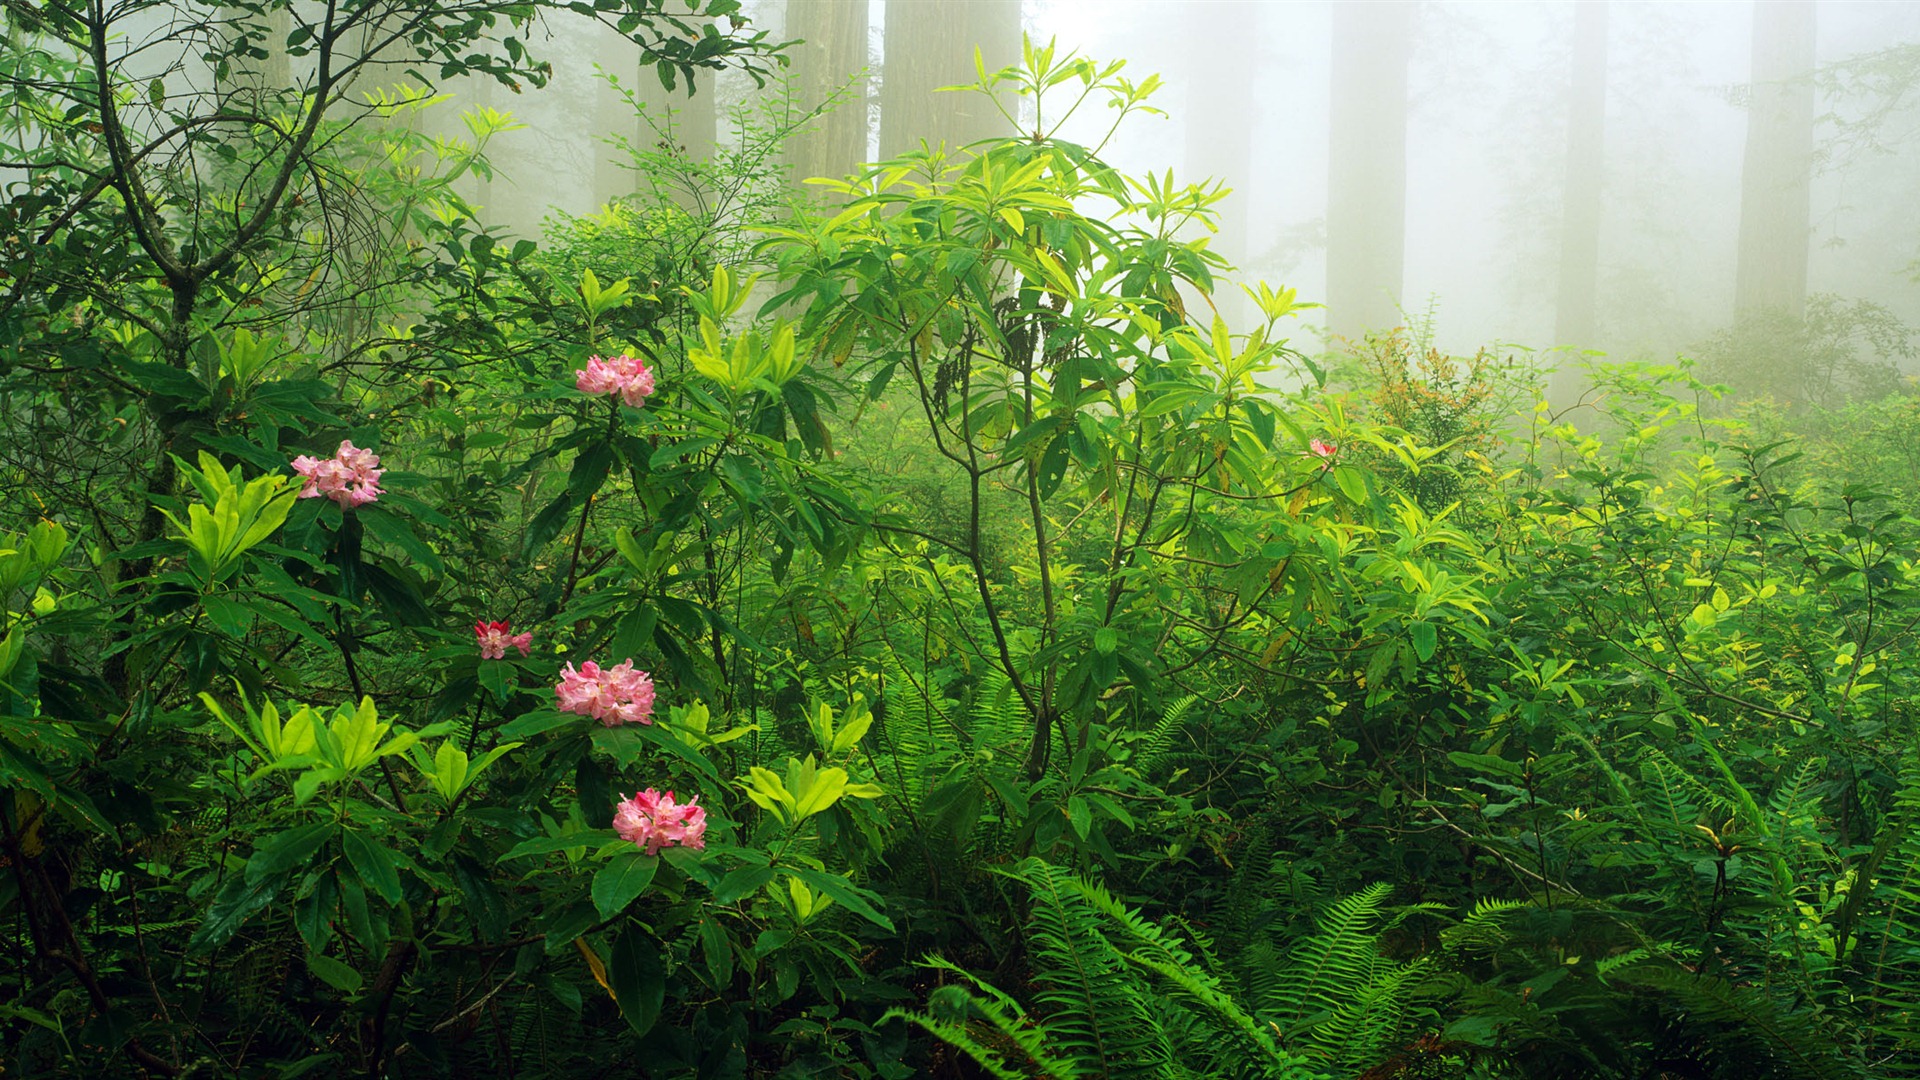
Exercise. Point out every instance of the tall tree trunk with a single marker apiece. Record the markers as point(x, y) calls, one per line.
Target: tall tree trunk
point(1367, 166)
point(1220, 108)
point(1775, 185)
point(832, 53)
point(930, 44)
point(674, 121)
point(1574, 318)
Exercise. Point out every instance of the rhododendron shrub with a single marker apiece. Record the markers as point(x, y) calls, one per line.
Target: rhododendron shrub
point(496, 637)
point(627, 377)
point(613, 696)
point(652, 821)
point(351, 477)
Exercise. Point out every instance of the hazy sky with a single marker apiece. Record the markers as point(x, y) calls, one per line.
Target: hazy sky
point(1486, 142)
point(1486, 147)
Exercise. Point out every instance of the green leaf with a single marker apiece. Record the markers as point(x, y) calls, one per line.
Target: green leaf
point(383, 525)
point(547, 524)
point(1424, 639)
point(547, 845)
point(338, 975)
point(844, 892)
point(741, 883)
point(1492, 764)
point(639, 979)
point(589, 471)
point(718, 953)
point(232, 617)
point(562, 926)
point(1352, 483)
point(237, 900)
point(1081, 816)
point(537, 721)
point(622, 880)
point(285, 850)
point(374, 864)
point(1052, 468)
point(497, 677)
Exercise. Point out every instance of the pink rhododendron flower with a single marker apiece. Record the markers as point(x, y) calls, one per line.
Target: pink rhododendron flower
point(654, 821)
point(351, 477)
point(625, 375)
point(1322, 448)
point(496, 636)
point(614, 696)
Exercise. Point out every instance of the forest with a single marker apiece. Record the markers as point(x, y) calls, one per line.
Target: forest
point(841, 557)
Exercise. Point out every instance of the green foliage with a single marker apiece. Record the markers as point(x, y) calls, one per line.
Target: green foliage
point(984, 579)
point(1100, 973)
point(1839, 349)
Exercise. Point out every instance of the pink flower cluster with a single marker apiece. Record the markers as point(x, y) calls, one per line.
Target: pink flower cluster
point(1322, 448)
point(351, 477)
point(624, 375)
point(654, 821)
point(614, 696)
point(496, 636)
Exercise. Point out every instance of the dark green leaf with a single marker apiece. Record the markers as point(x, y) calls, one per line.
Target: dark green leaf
point(374, 863)
point(638, 977)
point(618, 883)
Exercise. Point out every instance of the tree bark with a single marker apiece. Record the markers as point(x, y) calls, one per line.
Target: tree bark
point(1367, 166)
point(1776, 182)
point(930, 44)
point(1220, 109)
point(675, 122)
point(1575, 318)
point(832, 55)
point(1586, 144)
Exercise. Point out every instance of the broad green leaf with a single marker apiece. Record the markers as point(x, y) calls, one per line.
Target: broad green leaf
point(844, 892)
point(573, 841)
point(285, 850)
point(1425, 638)
point(740, 883)
point(623, 879)
point(334, 973)
point(374, 863)
point(639, 978)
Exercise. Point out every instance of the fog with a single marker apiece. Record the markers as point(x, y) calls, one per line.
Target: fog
point(1457, 115)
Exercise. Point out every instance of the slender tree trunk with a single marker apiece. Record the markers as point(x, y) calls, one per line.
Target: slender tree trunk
point(260, 78)
point(1367, 166)
point(1574, 315)
point(930, 44)
point(1775, 195)
point(674, 122)
point(1220, 107)
point(832, 59)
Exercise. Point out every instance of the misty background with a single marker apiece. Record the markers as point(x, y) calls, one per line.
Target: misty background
point(1624, 177)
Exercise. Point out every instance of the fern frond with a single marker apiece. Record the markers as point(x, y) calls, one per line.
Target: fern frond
point(1253, 1045)
point(1338, 955)
point(1362, 1029)
point(1034, 1061)
point(1888, 927)
point(1762, 1035)
point(1152, 751)
point(1093, 1005)
point(1678, 799)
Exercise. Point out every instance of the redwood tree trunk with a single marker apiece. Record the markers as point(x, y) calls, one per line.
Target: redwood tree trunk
point(1220, 107)
point(1575, 319)
point(688, 122)
point(832, 53)
point(1775, 195)
point(930, 44)
point(1367, 166)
